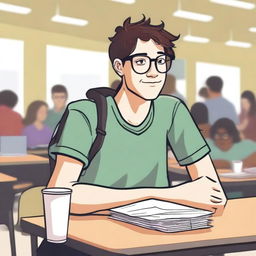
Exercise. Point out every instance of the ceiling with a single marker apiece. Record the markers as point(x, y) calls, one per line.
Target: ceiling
point(105, 15)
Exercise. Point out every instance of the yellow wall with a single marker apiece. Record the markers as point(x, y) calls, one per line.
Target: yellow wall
point(35, 42)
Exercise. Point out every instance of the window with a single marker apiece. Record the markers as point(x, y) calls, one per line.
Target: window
point(12, 69)
point(78, 70)
point(230, 76)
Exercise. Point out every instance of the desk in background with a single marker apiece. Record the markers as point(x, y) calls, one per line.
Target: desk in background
point(234, 231)
point(27, 168)
point(39, 152)
point(246, 186)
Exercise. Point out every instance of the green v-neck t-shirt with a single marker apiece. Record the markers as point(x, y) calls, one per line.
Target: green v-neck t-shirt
point(131, 156)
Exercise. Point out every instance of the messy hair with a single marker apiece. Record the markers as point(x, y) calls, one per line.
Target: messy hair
point(125, 39)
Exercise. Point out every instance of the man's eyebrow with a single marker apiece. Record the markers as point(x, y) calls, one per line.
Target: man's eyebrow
point(161, 52)
point(139, 54)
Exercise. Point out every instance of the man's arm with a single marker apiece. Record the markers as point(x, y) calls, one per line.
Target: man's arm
point(90, 198)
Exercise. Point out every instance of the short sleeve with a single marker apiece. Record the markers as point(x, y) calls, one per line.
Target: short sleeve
point(76, 138)
point(184, 137)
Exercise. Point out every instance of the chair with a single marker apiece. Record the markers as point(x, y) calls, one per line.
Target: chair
point(31, 204)
point(6, 211)
point(7, 197)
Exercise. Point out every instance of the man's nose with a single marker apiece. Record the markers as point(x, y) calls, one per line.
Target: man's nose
point(152, 71)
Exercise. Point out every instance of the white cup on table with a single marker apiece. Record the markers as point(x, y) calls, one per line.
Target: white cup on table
point(56, 211)
point(237, 166)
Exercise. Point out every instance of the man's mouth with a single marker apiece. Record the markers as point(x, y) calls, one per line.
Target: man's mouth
point(155, 82)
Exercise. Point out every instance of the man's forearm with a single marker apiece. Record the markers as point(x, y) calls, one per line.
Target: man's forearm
point(90, 198)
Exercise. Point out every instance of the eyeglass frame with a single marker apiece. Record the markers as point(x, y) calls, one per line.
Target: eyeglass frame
point(130, 57)
point(224, 136)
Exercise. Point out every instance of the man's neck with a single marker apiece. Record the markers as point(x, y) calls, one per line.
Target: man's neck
point(58, 109)
point(133, 108)
point(214, 95)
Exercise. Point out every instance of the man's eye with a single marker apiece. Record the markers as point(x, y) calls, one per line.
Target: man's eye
point(161, 61)
point(140, 62)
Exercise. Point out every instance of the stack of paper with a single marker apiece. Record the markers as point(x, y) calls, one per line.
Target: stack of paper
point(162, 215)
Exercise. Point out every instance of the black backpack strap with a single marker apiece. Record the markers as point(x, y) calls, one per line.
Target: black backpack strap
point(98, 95)
point(56, 136)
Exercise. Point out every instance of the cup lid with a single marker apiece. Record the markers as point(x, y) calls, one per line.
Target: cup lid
point(56, 191)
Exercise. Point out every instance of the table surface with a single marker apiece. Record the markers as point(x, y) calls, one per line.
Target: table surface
point(237, 225)
point(7, 178)
point(175, 167)
point(26, 159)
point(38, 151)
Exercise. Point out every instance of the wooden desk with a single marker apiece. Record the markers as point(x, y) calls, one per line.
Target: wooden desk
point(235, 230)
point(20, 160)
point(176, 168)
point(246, 186)
point(27, 168)
point(7, 178)
point(39, 152)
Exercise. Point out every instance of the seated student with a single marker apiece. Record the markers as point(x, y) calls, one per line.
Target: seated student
point(248, 116)
point(227, 146)
point(59, 98)
point(200, 114)
point(10, 121)
point(37, 132)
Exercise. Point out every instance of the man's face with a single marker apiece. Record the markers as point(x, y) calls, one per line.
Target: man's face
point(59, 100)
point(149, 84)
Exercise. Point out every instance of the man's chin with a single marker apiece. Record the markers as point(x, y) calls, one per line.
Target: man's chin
point(149, 96)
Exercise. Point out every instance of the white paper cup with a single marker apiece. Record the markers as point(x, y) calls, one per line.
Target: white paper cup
point(237, 166)
point(56, 212)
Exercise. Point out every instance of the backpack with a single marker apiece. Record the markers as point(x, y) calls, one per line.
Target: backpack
point(98, 95)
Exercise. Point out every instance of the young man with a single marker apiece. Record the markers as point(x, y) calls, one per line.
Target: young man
point(132, 163)
point(59, 98)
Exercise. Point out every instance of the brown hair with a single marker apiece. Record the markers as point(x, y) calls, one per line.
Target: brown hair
point(115, 84)
point(169, 85)
point(8, 98)
point(32, 111)
point(59, 88)
point(124, 41)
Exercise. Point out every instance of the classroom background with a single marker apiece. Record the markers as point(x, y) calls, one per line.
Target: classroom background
point(53, 51)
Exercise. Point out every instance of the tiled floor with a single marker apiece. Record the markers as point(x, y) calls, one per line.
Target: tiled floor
point(23, 242)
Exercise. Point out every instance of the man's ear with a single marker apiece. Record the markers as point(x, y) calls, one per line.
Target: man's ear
point(118, 67)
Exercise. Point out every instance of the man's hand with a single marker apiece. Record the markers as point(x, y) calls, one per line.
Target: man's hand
point(204, 193)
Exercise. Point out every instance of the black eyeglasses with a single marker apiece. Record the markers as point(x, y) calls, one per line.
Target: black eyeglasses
point(224, 136)
point(141, 64)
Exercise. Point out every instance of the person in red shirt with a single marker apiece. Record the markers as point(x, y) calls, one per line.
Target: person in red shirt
point(10, 121)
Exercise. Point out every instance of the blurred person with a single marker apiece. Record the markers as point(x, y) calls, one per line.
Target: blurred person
point(218, 106)
point(115, 84)
point(38, 134)
point(247, 125)
point(226, 145)
point(59, 97)
point(170, 88)
point(200, 114)
point(203, 93)
point(10, 121)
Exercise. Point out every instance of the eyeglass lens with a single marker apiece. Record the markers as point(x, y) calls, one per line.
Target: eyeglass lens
point(142, 64)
